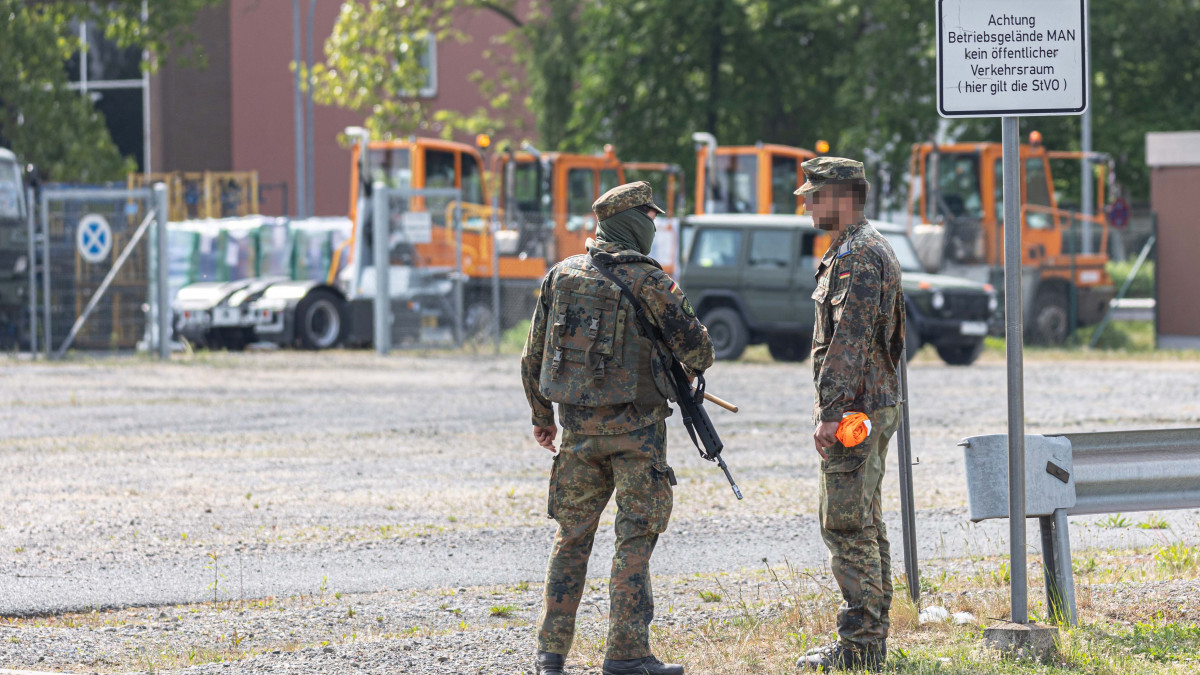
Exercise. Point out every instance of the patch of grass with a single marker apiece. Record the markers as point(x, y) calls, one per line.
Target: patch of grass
point(710, 596)
point(512, 341)
point(1116, 520)
point(502, 611)
point(1177, 557)
point(1143, 283)
point(1160, 641)
point(1129, 336)
point(1154, 522)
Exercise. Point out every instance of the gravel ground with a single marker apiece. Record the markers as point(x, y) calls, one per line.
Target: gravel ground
point(273, 482)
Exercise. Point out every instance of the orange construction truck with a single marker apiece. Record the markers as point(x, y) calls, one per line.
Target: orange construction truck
point(956, 218)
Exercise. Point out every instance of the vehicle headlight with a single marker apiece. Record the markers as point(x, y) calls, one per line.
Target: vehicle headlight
point(937, 300)
point(993, 302)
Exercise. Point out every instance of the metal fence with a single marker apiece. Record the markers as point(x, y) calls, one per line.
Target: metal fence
point(95, 285)
point(416, 279)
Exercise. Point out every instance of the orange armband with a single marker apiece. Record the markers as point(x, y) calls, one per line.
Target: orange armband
point(853, 429)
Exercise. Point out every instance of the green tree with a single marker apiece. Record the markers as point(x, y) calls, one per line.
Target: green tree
point(373, 64)
point(42, 120)
point(645, 74)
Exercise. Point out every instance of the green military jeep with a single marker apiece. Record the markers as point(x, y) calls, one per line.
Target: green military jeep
point(751, 278)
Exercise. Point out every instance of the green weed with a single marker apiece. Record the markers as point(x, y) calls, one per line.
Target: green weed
point(1116, 520)
point(502, 610)
point(1163, 642)
point(1177, 557)
point(1154, 522)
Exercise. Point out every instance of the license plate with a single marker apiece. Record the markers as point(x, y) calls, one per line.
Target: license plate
point(429, 322)
point(973, 328)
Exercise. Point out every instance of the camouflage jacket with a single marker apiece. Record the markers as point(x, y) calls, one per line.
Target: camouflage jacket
point(665, 306)
point(858, 337)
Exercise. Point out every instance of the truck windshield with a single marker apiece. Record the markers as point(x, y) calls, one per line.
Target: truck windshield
point(391, 165)
point(737, 184)
point(957, 186)
point(12, 197)
point(905, 253)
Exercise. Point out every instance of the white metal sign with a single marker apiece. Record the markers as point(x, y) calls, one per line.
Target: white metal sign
point(1012, 57)
point(93, 238)
point(417, 227)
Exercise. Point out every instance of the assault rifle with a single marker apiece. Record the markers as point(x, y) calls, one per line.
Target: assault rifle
point(691, 401)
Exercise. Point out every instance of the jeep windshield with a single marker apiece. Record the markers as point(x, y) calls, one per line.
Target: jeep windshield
point(905, 253)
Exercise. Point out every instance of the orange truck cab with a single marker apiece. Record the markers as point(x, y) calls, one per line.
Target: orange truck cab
point(956, 219)
point(757, 178)
point(546, 198)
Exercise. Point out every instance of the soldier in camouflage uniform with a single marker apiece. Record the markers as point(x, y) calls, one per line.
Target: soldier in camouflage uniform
point(858, 341)
point(585, 352)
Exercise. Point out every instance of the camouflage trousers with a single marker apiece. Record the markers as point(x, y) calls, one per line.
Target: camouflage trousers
point(586, 473)
point(852, 527)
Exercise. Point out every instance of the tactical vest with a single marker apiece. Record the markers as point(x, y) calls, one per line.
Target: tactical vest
point(594, 353)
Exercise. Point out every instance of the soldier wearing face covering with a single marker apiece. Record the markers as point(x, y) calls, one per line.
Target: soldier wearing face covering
point(586, 353)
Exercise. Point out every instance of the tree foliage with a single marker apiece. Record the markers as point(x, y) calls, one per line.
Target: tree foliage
point(645, 74)
point(42, 120)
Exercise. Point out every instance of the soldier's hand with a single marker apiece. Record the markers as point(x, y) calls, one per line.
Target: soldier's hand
point(545, 436)
point(825, 436)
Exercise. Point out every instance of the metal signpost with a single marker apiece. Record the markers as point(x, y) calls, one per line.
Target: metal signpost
point(1007, 58)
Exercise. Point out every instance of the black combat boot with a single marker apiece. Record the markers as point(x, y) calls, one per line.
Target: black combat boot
point(643, 666)
point(549, 664)
point(840, 657)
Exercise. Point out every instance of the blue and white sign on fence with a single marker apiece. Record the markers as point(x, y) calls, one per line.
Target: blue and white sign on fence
point(94, 237)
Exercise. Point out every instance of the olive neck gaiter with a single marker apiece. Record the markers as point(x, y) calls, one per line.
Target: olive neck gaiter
point(631, 228)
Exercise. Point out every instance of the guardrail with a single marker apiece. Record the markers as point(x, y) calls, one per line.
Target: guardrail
point(1079, 474)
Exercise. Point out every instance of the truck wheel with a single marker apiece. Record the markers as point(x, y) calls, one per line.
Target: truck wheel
point(321, 320)
point(728, 333)
point(791, 347)
point(961, 355)
point(1050, 318)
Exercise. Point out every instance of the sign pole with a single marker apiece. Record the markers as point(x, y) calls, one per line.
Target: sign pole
point(1016, 379)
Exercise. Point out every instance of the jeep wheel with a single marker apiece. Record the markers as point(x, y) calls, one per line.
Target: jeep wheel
point(728, 333)
point(960, 354)
point(791, 347)
point(1050, 318)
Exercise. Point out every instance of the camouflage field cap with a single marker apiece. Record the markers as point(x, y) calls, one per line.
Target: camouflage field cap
point(625, 197)
point(822, 171)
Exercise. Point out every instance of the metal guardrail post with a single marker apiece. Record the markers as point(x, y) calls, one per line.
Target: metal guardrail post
point(162, 208)
point(1056, 560)
point(380, 237)
point(1016, 380)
